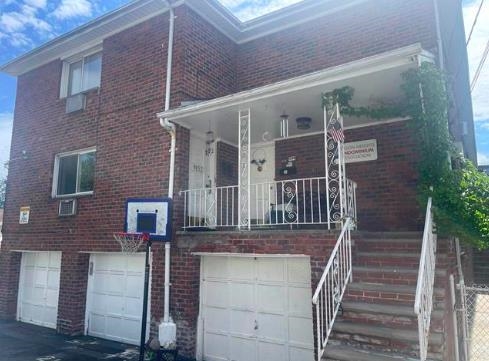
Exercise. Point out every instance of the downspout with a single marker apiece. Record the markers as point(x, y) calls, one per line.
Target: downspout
point(168, 329)
point(439, 40)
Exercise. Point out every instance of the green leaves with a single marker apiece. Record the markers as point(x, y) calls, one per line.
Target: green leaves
point(460, 195)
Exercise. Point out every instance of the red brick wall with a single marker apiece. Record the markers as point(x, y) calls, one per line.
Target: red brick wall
point(364, 30)
point(386, 193)
point(204, 58)
point(132, 159)
point(132, 148)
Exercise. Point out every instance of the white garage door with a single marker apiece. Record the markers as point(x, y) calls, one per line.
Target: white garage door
point(39, 288)
point(256, 309)
point(115, 297)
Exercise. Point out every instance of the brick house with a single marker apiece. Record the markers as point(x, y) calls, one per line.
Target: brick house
point(249, 129)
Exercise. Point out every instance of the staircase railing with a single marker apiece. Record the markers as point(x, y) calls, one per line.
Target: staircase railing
point(332, 286)
point(423, 304)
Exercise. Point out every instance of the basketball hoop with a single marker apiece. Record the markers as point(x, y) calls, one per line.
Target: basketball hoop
point(130, 242)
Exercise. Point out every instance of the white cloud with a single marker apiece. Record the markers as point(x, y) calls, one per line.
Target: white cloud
point(6, 121)
point(41, 4)
point(484, 125)
point(475, 49)
point(14, 24)
point(73, 8)
point(482, 158)
point(250, 9)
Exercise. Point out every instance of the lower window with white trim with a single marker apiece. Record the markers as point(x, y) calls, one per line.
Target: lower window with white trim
point(74, 173)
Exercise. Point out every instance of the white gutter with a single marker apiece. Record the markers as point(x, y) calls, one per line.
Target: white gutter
point(167, 331)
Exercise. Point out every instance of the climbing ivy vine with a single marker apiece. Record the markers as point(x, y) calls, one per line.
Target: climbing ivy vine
point(460, 192)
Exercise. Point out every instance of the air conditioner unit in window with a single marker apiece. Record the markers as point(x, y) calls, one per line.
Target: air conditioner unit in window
point(75, 103)
point(67, 207)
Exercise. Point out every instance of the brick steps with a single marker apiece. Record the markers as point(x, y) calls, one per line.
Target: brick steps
point(393, 259)
point(402, 316)
point(378, 321)
point(349, 353)
point(390, 275)
point(385, 293)
point(384, 338)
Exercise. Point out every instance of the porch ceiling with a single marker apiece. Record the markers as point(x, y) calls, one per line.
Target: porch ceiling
point(376, 79)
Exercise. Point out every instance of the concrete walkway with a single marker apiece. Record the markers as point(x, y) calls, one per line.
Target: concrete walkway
point(24, 342)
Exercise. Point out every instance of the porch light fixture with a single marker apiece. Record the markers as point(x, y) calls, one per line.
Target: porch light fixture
point(284, 125)
point(303, 123)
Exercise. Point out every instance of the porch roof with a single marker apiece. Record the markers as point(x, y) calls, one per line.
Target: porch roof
point(376, 78)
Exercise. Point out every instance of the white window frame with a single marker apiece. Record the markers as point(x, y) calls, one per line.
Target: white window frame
point(54, 192)
point(65, 72)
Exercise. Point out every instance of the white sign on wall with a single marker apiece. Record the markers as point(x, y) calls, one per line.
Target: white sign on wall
point(24, 215)
point(362, 151)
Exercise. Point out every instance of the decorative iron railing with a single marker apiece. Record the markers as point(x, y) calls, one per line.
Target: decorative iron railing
point(301, 201)
point(332, 286)
point(423, 304)
point(351, 201)
point(210, 207)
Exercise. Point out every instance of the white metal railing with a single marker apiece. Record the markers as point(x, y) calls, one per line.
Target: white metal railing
point(294, 201)
point(210, 207)
point(423, 304)
point(331, 287)
point(287, 202)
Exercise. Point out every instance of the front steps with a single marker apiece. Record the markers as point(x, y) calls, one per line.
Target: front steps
point(378, 322)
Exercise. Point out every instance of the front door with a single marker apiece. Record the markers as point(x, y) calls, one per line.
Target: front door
point(262, 174)
point(201, 199)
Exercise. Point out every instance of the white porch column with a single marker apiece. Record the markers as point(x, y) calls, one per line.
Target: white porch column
point(244, 168)
point(334, 162)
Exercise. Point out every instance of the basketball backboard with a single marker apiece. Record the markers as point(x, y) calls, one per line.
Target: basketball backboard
point(152, 216)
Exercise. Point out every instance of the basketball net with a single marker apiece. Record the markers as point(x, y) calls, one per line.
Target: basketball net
point(130, 242)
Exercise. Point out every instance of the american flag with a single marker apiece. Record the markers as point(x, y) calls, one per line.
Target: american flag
point(337, 134)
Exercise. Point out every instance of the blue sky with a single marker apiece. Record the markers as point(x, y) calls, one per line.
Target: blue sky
point(25, 24)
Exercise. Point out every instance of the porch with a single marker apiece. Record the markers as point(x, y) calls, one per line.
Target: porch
point(265, 158)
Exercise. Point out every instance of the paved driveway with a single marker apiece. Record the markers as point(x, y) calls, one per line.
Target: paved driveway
point(24, 342)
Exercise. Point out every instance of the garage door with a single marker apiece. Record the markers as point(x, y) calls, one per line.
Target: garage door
point(115, 297)
point(39, 288)
point(256, 309)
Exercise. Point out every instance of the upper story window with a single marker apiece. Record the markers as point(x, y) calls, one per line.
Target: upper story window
point(74, 173)
point(81, 73)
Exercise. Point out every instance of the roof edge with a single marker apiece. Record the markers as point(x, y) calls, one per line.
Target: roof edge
point(141, 10)
point(400, 56)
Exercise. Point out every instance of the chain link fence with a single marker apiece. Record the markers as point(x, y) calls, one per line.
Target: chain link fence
point(476, 319)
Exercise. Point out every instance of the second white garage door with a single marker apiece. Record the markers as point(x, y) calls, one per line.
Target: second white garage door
point(115, 297)
point(39, 288)
point(256, 309)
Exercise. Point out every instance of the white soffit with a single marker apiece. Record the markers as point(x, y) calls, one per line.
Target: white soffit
point(407, 55)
